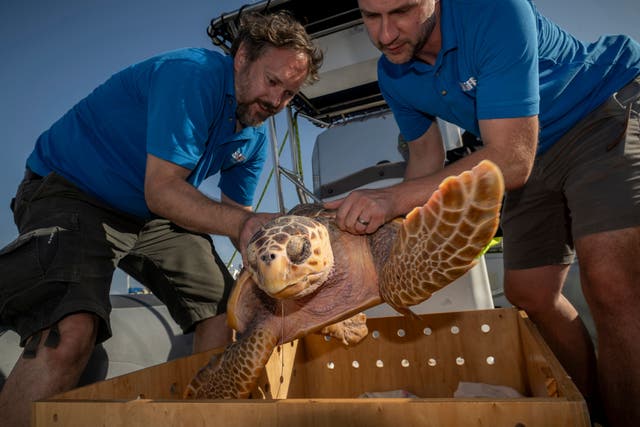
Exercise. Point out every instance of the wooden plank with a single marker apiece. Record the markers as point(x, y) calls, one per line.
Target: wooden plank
point(427, 413)
point(164, 381)
point(546, 376)
point(147, 413)
point(313, 413)
point(168, 380)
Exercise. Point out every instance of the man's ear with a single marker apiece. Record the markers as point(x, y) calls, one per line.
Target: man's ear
point(240, 58)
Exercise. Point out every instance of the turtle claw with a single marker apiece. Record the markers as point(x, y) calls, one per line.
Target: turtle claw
point(440, 241)
point(350, 331)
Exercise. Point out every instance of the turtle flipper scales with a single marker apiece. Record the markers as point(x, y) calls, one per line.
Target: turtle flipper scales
point(440, 241)
point(234, 373)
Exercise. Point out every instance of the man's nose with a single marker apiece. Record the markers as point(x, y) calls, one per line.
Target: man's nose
point(275, 99)
point(388, 30)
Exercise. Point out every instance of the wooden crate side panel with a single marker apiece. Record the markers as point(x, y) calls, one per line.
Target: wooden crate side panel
point(313, 413)
point(169, 380)
point(546, 376)
point(147, 413)
point(429, 413)
point(164, 381)
point(427, 357)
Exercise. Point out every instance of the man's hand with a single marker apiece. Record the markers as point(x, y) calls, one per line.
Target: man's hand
point(364, 211)
point(249, 228)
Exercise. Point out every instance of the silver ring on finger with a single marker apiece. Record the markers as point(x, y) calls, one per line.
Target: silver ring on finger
point(362, 221)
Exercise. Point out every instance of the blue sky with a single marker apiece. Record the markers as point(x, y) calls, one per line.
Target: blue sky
point(54, 53)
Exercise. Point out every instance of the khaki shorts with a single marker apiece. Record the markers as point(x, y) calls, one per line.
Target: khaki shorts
point(69, 246)
point(588, 182)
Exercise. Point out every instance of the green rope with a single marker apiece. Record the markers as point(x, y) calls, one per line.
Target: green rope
point(296, 134)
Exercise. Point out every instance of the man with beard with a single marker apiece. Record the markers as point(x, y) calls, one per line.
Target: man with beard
point(114, 183)
point(560, 118)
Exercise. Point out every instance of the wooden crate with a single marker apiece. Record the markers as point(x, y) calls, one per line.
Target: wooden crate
point(316, 382)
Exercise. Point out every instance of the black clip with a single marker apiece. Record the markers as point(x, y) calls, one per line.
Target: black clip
point(53, 339)
point(31, 348)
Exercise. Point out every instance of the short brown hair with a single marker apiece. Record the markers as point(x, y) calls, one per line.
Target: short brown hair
point(281, 30)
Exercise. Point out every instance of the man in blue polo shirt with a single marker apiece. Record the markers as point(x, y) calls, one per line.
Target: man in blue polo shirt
point(113, 183)
point(560, 118)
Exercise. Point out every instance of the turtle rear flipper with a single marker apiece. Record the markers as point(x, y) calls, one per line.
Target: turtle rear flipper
point(441, 240)
point(350, 331)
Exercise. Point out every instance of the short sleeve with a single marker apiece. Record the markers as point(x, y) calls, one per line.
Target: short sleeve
point(183, 98)
point(507, 61)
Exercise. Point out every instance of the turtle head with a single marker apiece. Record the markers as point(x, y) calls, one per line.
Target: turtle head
point(290, 257)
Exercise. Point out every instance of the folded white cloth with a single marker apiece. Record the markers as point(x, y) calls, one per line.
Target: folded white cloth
point(469, 389)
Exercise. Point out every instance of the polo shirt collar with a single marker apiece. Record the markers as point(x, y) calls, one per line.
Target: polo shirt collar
point(449, 40)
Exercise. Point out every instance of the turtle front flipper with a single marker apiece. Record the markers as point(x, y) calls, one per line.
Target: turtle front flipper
point(441, 240)
point(234, 373)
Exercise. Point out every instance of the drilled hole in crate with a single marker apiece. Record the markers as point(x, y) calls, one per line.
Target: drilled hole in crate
point(432, 362)
point(379, 363)
point(375, 334)
point(405, 363)
point(401, 333)
point(279, 348)
point(491, 360)
point(427, 331)
point(485, 328)
point(455, 330)
point(459, 361)
point(355, 364)
point(330, 365)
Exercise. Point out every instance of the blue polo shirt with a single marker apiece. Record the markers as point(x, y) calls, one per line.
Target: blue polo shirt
point(178, 106)
point(502, 59)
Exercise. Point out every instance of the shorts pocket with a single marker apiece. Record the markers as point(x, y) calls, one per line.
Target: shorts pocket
point(36, 270)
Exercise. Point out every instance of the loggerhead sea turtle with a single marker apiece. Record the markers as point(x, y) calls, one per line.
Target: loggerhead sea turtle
point(304, 273)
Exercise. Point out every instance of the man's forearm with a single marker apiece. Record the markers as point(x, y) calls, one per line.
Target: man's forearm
point(181, 203)
point(415, 192)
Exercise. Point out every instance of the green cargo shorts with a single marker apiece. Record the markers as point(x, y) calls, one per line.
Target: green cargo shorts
point(587, 183)
point(69, 246)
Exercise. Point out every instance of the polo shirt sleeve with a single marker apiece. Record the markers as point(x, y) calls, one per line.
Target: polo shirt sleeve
point(506, 56)
point(239, 182)
point(183, 97)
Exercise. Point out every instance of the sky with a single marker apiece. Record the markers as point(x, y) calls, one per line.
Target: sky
point(55, 53)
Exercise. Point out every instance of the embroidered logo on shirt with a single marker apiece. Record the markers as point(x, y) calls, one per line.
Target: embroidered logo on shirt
point(470, 84)
point(238, 156)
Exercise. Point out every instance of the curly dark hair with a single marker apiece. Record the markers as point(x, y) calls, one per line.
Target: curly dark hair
point(259, 31)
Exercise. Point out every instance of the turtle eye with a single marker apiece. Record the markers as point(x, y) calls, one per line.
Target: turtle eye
point(298, 249)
